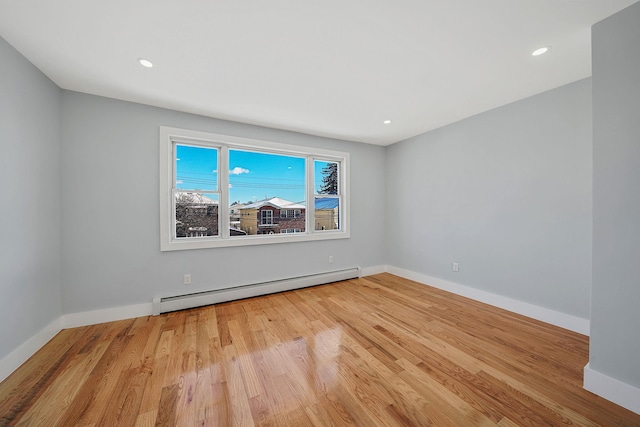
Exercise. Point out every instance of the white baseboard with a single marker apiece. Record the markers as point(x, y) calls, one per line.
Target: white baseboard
point(566, 321)
point(612, 389)
point(376, 269)
point(17, 357)
point(74, 320)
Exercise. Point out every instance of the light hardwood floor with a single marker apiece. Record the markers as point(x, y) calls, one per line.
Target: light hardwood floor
point(377, 351)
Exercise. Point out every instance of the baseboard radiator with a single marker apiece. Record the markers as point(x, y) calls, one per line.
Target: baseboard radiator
point(199, 299)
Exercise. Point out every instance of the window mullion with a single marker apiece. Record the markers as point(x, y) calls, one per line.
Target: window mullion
point(223, 182)
point(172, 189)
point(344, 189)
point(310, 217)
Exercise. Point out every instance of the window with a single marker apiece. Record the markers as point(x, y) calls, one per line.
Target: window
point(218, 191)
point(195, 193)
point(267, 218)
point(327, 196)
point(290, 230)
point(290, 213)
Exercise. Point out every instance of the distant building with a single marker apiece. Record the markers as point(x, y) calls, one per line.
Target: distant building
point(327, 213)
point(196, 215)
point(272, 216)
point(234, 215)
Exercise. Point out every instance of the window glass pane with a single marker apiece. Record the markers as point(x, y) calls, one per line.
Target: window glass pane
point(326, 177)
point(196, 215)
point(196, 168)
point(266, 192)
point(327, 213)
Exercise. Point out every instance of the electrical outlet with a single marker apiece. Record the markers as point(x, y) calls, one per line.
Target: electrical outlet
point(330, 259)
point(187, 279)
point(455, 266)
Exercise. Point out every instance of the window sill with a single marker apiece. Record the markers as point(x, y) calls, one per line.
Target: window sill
point(217, 242)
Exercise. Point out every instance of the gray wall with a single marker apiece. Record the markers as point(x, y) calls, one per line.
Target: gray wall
point(30, 203)
point(111, 249)
point(615, 308)
point(507, 194)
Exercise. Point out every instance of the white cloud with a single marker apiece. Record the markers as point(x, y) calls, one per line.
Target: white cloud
point(238, 171)
point(230, 185)
point(179, 181)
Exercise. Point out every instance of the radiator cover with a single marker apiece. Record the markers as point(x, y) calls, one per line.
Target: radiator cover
point(198, 299)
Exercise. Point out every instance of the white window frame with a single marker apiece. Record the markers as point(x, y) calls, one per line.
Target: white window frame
point(341, 197)
point(170, 136)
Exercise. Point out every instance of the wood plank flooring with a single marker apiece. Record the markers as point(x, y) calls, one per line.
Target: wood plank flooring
point(376, 351)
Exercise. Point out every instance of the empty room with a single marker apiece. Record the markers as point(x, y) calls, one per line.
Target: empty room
point(240, 213)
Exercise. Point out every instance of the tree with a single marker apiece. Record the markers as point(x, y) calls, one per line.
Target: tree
point(329, 179)
point(196, 215)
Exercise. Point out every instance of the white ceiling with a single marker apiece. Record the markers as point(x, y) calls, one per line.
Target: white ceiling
point(335, 68)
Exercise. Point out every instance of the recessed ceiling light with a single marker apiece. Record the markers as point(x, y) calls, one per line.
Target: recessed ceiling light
point(386, 122)
point(145, 62)
point(540, 51)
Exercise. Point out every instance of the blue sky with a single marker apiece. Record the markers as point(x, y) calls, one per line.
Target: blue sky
point(256, 176)
point(252, 176)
